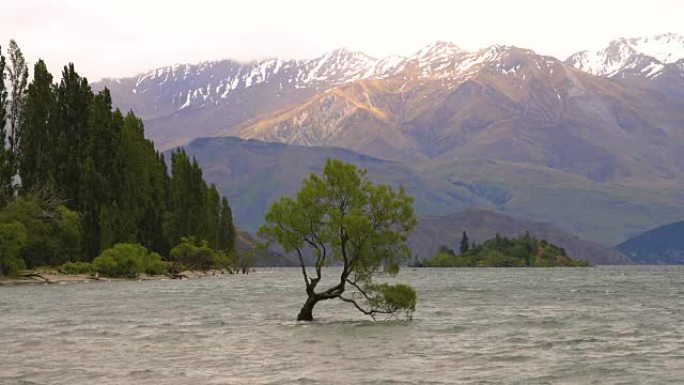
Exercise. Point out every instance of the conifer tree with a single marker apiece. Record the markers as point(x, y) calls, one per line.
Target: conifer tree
point(465, 246)
point(5, 165)
point(73, 114)
point(18, 77)
point(72, 147)
point(3, 93)
point(37, 126)
point(211, 220)
point(227, 233)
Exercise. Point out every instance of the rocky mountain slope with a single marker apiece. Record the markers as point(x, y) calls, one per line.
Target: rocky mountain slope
point(247, 244)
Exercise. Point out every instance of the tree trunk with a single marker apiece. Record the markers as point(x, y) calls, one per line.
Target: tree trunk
point(306, 314)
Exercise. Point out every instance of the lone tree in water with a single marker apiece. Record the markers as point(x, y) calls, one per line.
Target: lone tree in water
point(343, 218)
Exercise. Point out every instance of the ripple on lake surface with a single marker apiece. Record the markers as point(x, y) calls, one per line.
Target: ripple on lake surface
point(606, 325)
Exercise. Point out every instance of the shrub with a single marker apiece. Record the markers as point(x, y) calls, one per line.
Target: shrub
point(154, 265)
point(123, 260)
point(13, 238)
point(442, 259)
point(224, 261)
point(393, 298)
point(77, 268)
point(11, 267)
point(193, 255)
point(53, 233)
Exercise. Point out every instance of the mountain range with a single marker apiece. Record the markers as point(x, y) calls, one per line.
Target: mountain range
point(593, 143)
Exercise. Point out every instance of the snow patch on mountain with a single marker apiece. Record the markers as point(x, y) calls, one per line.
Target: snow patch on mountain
point(214, 82)
point(667, 48)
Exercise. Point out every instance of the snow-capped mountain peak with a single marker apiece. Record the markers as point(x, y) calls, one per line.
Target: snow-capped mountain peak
point(666, 48)
point(339, 66)
point(436, 51)
point(645, 56)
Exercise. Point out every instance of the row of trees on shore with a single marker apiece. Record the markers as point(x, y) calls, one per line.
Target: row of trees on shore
point(77, 176)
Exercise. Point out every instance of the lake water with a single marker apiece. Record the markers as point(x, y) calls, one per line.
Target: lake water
point(605, 325)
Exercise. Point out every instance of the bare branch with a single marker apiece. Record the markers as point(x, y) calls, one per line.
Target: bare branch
point(301, 262)
point(370, 313)
point(359, 289)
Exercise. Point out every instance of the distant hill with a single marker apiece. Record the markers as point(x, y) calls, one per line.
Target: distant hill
point(246, 243)
point(253, 174)
point(434, 231)
point(661, 246)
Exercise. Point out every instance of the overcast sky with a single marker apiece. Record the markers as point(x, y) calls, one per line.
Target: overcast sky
point(125, 37)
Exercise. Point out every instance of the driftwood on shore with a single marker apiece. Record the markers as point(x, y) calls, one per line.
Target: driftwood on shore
point(56, 277)
point(178, 276)
point(36, 275)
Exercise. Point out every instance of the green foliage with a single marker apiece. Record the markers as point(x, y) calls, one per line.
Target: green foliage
point(13, 238)
point(154, 264)
point(5, 154)
point(129, 261)
point(341, 217)
point(77, 268)
point(443, 259)
point(190, 254)
point(226, 228)
point(65, 141)
point(16, 72)
point(53, 231)
point(37, 125)
point(504, 252)
point(195, 209)
point(394, 298)
point(224, 261)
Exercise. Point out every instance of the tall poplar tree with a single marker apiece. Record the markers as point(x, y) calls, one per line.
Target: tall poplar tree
point(5, 164)
point(73, 115)
point(37, 127)
point(69, 145)
point(226, 230)
point(18, 77)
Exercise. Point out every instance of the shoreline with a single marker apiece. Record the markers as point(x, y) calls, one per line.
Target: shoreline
point(53, 278)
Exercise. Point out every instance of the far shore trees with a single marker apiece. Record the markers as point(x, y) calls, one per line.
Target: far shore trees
point(465, 246)
point(343, 218)
point(80, 177)
point(522, 251)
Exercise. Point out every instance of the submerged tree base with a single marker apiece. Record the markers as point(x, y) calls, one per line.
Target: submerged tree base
point(306, 314)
